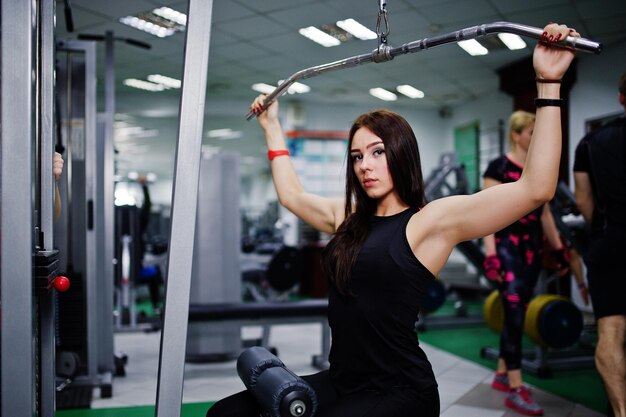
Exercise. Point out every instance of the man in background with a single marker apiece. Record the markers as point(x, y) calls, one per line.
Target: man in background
point(600, 189)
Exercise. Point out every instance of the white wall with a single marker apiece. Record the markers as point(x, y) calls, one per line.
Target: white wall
point(486, 110)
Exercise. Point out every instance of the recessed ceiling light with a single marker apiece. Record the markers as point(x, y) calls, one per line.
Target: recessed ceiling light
point(318, 36)
point(410, 91)
point(512, 41)
point(143, 85)
point(224, 134)
point(296, 88)
point(171, 14)
point(473, 47)
point(166, 82)
point(356, 29)
point(159, 22)
point(383, 94)
point(263, 88)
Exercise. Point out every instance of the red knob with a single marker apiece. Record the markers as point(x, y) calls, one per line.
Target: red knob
point(61, 283)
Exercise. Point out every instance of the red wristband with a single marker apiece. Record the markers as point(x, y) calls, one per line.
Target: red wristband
point(271, 154)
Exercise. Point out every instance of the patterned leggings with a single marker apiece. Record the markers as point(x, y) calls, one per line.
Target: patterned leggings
point(521, 263)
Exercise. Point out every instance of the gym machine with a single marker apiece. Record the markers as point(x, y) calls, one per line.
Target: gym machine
point(215, 274)
point(29, 259)
point(85, 331)
point(279, 391)
point(266, 314)
point(128, 269)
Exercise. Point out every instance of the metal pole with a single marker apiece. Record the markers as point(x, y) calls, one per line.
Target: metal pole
point(105, 179)
point(47, 302)
point(16, 208)
point(387, 53)
point(184, 204)
point(91, 199)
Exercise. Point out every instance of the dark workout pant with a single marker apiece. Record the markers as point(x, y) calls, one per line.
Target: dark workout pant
point(606, 263)
point(398, 402)
point(521, 274)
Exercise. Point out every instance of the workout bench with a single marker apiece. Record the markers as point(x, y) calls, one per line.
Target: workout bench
point(266, 314)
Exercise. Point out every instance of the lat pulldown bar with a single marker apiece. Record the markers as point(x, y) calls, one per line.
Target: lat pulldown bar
point(386, 53)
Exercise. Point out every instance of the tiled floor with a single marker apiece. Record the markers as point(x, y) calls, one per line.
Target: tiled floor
point(464, 387)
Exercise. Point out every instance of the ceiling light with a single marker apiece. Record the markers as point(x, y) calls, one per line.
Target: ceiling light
point(224, 134)
point(383, 94)
point(263, 88)
point(410, 91)
point(122, 133)
point(472, 47)
point(318, 36)
point(296, 88)
point(171, 14)
point(159, 22)
point(356, 29)
point(166, 82)
point(512, 41)
point(147, 26)
point(209, 150)
point(143, 85)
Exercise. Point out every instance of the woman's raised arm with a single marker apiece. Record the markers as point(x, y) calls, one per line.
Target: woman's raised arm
point(324, 214)
point(460, 218)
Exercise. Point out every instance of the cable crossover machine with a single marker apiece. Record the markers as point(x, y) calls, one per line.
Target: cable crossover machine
point(187, 162)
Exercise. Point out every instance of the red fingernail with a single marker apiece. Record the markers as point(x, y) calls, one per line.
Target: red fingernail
point(557, 37)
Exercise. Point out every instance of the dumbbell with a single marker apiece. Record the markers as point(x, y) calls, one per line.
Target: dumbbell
point(280, 392)
point(551, 321)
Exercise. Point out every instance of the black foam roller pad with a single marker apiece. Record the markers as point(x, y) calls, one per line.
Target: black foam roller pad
point(253, 361)
point(281, 393)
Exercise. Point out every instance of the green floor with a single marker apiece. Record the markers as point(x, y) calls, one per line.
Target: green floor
point(188, 410)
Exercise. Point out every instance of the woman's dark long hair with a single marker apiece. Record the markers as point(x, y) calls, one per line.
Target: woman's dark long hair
point(405, 168)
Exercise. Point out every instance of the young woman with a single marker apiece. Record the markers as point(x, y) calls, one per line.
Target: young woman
point(514, 259)
point(389, 244)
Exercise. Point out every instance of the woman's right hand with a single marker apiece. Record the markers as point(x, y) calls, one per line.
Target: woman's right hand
point(270, 115)
point(551, 60)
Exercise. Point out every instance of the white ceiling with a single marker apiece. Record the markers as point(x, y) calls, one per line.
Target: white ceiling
point(257, 41)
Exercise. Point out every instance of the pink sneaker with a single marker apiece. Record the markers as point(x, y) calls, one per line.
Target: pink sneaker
point(521, 400)
point(501, 382)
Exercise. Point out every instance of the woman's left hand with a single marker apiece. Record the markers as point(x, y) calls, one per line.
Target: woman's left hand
point(550, 58)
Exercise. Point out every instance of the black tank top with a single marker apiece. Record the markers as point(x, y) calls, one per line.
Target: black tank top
point(602, 154)
point(374, 342)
